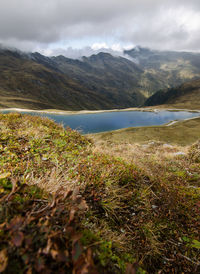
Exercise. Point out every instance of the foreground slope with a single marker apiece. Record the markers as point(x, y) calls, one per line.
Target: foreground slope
point(184, 96)
point(67, 208)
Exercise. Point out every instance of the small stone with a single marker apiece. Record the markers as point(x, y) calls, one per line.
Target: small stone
point(151, 143)
point(180, 153)
point(167, 146)
point(44, 159)
point(145, 146)
point(154, 206)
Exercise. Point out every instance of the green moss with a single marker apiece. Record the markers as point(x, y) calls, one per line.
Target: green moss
point(105, 252)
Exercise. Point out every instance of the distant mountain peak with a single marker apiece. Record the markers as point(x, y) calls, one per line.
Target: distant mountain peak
point(100, 55)
point(138, 50)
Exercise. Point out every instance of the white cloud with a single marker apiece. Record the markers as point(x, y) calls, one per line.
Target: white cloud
point(77, 53)
point(163, 24)
point(97, 46)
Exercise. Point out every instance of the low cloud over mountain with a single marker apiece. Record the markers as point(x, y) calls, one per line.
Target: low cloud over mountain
point(58, 24)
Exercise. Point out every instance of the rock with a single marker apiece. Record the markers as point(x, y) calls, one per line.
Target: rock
point(167, 146)
point(180, 153)
point(154, 206)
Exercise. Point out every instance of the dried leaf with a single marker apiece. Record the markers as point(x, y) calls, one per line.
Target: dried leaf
point(198, 204)
point(75, 193)
point(89, 256)
point(29, 271)
point(2, 225)
point(17, 239)
point(83, 205)
point(14, 188)
point(71, 215)
point(3, 260)
point(83, 270)
point(131, 269)
point(63, 257)
point(76, 237)
point(16, 223)
point(85, 264)
point(28, 241)
point(68, 193)
point(54, 253)
point(48, 247)
point(39, 266)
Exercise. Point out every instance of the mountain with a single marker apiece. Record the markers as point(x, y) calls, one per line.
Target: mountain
point(28, 83)
point(116, 78)
point(171, 68)
point(186, 95)
point(101, 81)
point(98, 82)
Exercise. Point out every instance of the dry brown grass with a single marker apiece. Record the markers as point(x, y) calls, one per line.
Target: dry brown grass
point(150, 157)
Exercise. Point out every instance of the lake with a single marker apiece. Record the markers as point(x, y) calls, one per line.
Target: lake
point(107, 121)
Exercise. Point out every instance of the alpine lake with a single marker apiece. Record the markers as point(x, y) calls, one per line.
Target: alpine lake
point(113, 120)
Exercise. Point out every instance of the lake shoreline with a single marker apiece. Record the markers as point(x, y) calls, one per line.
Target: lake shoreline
point(83, 126)
point(68, 112)
point(121, 130)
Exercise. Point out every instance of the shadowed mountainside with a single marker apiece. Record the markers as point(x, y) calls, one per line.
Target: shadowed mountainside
point(185, 96)
point(36, 81)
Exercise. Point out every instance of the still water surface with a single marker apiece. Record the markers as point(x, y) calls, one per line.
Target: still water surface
point(107, 121)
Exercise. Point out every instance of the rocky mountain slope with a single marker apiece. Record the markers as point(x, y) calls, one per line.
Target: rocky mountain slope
point(100, 81)
point(171, 68)
point(36, 81)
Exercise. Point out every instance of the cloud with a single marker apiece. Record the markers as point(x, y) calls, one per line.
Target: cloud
point(115, 50)
point(53, 24)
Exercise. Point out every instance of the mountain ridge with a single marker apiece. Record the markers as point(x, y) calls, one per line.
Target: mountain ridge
point(101, 81)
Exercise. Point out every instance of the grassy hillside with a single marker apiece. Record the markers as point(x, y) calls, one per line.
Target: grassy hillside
point(181, 133)
point(152, 148)
point(65, 207)
point(185, 96)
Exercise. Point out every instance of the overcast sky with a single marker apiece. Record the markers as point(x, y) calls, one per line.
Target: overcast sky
point(77, 27)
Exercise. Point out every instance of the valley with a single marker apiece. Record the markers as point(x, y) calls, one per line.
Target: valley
point(121, 201)
point(101, 81)
point(185, 96)
point(100, 137)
